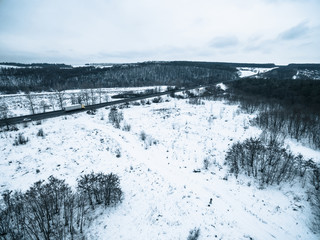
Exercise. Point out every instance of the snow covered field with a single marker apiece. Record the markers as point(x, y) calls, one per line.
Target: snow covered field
point(309, 74)
point(249, 71)
point(167, 188)
point(19, 104)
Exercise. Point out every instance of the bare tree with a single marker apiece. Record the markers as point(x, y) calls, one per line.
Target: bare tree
point(86, 96)
point(61, 97)
point(107, 98)
point(73, 98)
point(52, 210)
point(93, 97)
point(44, 105)
point(100, 94)
point(115, 117)
point(52, 100)
point(80, 97)
point(31, 102)
point(4, 111)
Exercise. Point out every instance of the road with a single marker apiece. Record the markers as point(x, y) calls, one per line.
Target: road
point(40, 116)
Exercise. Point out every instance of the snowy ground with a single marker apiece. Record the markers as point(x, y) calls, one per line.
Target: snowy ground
point(248, 71)
point(164, 197)
point(309, 74)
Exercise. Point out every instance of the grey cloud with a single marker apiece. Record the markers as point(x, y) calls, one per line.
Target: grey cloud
point(224, 42)
point(277, 1)
point(125, 30)
point(165, 52)
point(295, 32)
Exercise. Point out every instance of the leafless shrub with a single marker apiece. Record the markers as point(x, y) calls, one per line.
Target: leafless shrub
point(206, 163)
point(143, 102)
point(195, 101)
point(118, 153)
point(270, 163)
point(136, 103)
point(9, 128)
point(40, 133)
point(20, 140)
point(194, 234)
point(52, 210)
point(143, 135)
point(157, 100)
point(126, 127)
point(100, 188)
point(115, 117)
point(92, 112)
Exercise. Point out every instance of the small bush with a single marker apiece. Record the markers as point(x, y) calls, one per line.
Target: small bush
point(118, 153)
point(14, 128)
point(195, 101)
point(143, 136)
point(143, 102)
point(126, 127)
point(136, 104)
point(40, 133)
point(149, 141)
point(157, 100)
point(92, 112)
point(194, 234)
point(9, 128)
point(115, 117)
point(100, 188)
point(190, 94)
point(206, 163)
point(20, 140)
point(125, 105)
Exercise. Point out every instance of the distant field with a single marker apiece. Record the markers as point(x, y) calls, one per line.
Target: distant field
point(19, 104)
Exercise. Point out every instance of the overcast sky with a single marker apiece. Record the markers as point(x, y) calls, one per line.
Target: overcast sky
point(87, 31)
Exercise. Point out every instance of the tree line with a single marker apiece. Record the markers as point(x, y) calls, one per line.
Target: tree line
point(284, 107)
point(46, 77)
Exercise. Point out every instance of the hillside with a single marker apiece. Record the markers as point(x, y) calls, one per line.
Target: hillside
point(15, 77)
point(171, 163)
point(37, 77)
point(294, 71)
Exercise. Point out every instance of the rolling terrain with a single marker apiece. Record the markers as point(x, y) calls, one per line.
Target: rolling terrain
point(172, 171)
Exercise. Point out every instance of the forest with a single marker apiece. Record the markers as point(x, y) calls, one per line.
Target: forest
point(284, 107)
point(60, 77)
